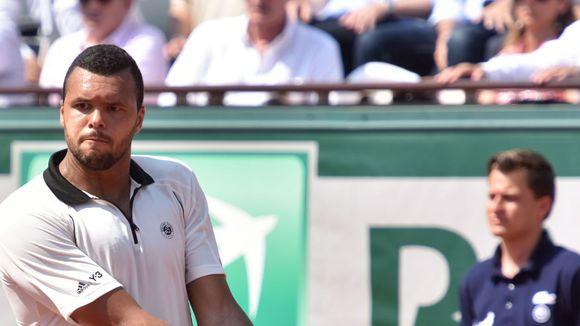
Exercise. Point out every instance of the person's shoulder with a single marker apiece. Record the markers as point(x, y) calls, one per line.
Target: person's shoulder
point(60, 54)
point(145, 29)
point(162, 166)
point(571, 31)
point(567, 259)
point(65, 41)
point(29, 189)
point(478, 272)
point(31, 199)
point(314, 36)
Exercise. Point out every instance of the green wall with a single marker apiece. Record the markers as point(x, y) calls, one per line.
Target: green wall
point(355, 141)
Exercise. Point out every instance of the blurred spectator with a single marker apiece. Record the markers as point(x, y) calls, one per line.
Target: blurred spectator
point(553, 60)
point(479, 33)
point(537, 21)
point(394, 31)
point(187, 14)
point(54, 18)
point(263, 47)
point(108, 21)
point(11, 63)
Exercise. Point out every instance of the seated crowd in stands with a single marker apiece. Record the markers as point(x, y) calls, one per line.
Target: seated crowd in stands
point(269, 42)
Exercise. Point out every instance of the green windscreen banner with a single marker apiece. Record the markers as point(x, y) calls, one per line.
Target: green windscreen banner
point(347, 227)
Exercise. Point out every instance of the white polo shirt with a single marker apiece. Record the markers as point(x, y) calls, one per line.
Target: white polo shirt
point(61, 248)
point(220, 52)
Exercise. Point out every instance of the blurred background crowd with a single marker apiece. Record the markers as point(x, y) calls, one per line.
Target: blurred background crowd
point(280, 42)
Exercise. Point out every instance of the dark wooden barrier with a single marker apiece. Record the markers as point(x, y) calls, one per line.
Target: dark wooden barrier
point(217, 93)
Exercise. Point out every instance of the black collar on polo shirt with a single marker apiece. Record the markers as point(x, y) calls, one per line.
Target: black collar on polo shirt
point(71, 195)
point(543, 252)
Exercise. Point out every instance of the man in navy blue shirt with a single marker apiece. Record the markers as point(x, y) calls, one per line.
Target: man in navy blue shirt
point(529, 280)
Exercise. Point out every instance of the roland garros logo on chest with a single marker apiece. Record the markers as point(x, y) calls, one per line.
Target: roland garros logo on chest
point(167, 230)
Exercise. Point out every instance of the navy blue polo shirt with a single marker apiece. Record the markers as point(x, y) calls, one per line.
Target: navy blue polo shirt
point(545, 292)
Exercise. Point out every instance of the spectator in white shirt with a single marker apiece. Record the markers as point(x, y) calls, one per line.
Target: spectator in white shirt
point(263, 47)
point(554, 60)
point(108, 21)
point(480, 34)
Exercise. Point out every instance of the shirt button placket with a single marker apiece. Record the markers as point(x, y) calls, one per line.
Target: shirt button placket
point(509, 304)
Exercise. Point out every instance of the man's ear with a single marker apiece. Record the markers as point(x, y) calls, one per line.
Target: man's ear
point(61, 110)
point(140, 118)
point(544, 206)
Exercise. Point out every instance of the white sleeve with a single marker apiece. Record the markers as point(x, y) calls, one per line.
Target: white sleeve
point(328, 65)
point(201, 251)
point(446, 9)
point(40, 264)
point(563, 51)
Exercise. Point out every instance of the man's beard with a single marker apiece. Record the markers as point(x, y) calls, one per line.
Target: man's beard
point(96, 162)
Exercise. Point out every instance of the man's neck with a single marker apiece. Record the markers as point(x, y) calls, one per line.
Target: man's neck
point(112, 184)
point(262, 34)
point(516, 253)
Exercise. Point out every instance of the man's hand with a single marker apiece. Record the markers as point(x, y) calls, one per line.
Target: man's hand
point(556, 74)
point(366, 18)
point(497, 15)
point(452, 74)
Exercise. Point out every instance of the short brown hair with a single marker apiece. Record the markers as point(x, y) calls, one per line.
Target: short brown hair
point(540, 174)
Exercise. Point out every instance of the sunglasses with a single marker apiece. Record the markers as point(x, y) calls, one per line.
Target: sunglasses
point(102, 2)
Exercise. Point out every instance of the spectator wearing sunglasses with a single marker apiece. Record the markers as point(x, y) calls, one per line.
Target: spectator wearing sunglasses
point(108, 22)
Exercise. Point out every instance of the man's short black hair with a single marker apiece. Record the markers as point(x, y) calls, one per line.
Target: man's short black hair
point(540, 174)
point(107, 60)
